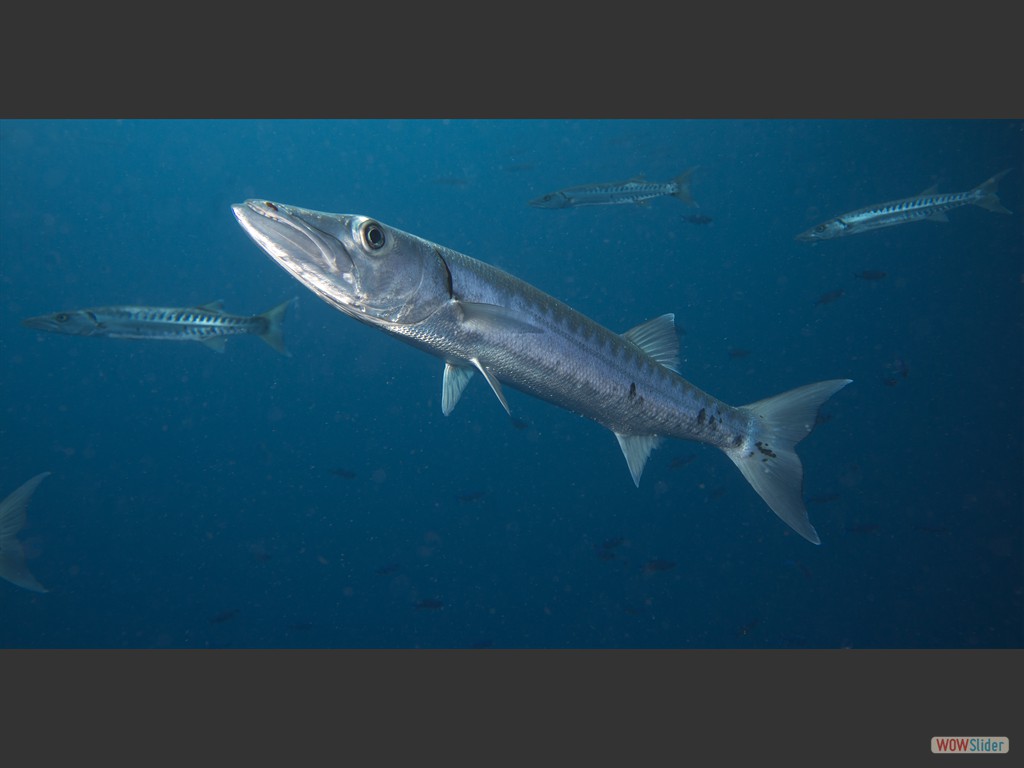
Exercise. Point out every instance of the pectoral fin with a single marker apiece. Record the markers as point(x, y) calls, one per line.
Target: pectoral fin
point(495, 317)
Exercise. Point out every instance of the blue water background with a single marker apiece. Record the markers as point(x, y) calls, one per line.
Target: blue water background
point(252, 500)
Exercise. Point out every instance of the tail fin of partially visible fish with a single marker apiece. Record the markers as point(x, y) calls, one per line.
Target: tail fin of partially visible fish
point(12, 520)
point(682, 181)
point(274, 335)
point(986, 194)
point(768, 459)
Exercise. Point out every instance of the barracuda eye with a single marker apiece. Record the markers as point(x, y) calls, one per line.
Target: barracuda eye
point(61, 317)
point(820, 228)
point(373, 236)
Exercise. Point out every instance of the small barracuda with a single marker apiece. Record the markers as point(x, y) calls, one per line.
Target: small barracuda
point(928, 206)
point(636, 190)
point(207, 323)
point(480, 319)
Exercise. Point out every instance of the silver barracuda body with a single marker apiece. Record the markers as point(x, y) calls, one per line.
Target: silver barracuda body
point(207, 323)
point(636, 190)
point(480, 319)
point(928, 206)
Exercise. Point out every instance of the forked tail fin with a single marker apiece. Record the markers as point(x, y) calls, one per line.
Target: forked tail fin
point(682, 182)
point(12, 520)
point(986, 194)
point(274, 335)
point(768, 458)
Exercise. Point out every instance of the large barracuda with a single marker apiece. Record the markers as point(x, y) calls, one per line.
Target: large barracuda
point(479, 319)
point(928, 206)
point(636, 190)
point(207, 323)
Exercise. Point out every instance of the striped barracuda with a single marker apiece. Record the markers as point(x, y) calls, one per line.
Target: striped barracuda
point(12, 519)
point(636, 190)
point(479, 319)
point(928, 206)
point(207, 323)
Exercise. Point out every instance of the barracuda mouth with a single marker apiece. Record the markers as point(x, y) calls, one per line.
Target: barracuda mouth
point(291, 237)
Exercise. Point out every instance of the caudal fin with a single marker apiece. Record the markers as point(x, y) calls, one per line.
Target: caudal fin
point(274, 335)
point(682, 182)
point(768, 459)
point(12, 520)
point(986, 194)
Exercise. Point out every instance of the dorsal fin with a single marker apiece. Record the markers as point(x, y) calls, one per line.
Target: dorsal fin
point(456, 377)
point(658, 339)
point(213, 306)
point(930, 191)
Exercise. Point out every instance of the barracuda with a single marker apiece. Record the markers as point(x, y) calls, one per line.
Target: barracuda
point(928, 206)
point(479, 319)
point(207, 323)
point(636, 190)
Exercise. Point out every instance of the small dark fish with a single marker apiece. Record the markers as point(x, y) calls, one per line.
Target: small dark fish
point(220, 618)
point(389, 569)
point(698, 218)
point(653, 566)
point(870, 274)
point(681, 461)
point(828, 298)
point(429, 603)
point(865, 528)
point(519, 423)
point(342, 472)
point(738, 352)
point(801, 567)
point(465, 498)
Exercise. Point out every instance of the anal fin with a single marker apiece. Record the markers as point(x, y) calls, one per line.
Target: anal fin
point(637, 449)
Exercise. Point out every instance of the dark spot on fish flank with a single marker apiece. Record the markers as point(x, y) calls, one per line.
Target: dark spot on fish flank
point(712, 424)
point(701, 416)
point(737, 441)
point(763, 448)
point(270, 205)
point(632, 390)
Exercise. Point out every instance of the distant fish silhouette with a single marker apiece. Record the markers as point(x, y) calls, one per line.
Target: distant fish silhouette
point(12, 520)
point(870, 274)
point(830, 296)
point(698, 218)
point(738, 352)
point(656, 565)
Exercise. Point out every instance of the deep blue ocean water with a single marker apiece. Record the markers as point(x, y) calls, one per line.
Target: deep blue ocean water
point(322, 500)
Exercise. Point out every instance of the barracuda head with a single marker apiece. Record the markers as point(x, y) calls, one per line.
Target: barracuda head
point(551, 200)
point(824, 231)
point(366, 269)
point(77, 323)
